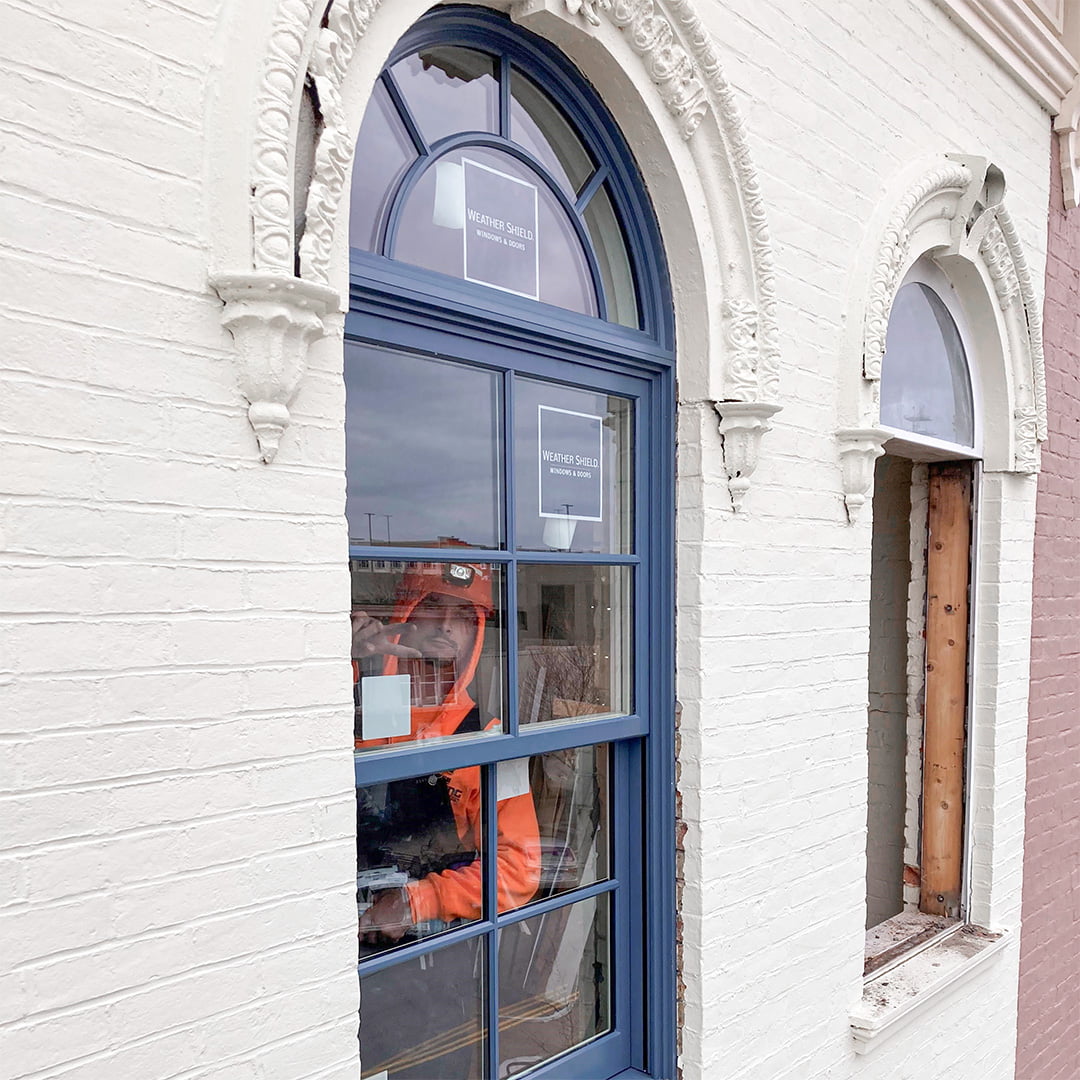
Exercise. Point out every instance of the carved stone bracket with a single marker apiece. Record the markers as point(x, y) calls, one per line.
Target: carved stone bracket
point(273, 318)
point(1067, 125)
point(859, 449)
point(742, 423)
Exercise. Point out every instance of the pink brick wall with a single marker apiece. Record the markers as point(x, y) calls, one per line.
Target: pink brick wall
point(1048, 1045)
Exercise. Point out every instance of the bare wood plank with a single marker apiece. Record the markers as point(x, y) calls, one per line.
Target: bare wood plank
point(947, 574)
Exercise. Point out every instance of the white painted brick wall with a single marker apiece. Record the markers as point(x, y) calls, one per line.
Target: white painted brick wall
point(175, 782)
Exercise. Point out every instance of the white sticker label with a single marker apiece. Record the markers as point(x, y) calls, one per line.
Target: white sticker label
point(385, 706)
point(512, 778)
point(385, 1074)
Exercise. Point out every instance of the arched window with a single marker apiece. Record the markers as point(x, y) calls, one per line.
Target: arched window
point(509, 392)
point(925, 493)
point(483, 160)
point(925, 382)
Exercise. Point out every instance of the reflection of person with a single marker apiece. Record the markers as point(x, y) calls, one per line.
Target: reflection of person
point(435, 636)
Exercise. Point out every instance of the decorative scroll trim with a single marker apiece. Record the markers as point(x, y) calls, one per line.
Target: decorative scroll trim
point(859, 449)
point(692, 84)
point(271, 166)
point(892, 257)
point(999, 264)
point(742, 423)
point(676, 74)
point(741, 322)
point(723, 101)
point(347, 23)
point(1033, 313)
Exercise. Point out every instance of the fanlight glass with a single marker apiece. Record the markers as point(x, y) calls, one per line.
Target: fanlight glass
point(466, 166)
point(925, 383)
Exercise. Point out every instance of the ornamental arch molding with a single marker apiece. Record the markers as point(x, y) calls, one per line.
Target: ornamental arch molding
point(952, 211)
point(282, 257)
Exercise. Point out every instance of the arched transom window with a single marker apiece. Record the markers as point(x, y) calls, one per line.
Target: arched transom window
point(925, 381)
point(467, 166)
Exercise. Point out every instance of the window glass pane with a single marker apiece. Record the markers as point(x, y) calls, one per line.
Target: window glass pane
point(418, 866)
point(555, 982)
point(383, 153)
point(480, 214)
point(610, 247)
point(925, 387)
point(574, 631)
point(427, 650)
point(425, 1019)
point(422, 451)
point(571, 793)
point(449, 89)
point(574, 481)
point(539, 125)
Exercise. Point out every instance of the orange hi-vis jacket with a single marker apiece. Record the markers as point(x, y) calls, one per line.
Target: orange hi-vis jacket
point(456, 893)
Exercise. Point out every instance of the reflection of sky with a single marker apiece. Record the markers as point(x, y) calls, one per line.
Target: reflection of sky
point(383, 152)
point(538, 125)
point(924, 379)
point(421, 445)
point(443, 103)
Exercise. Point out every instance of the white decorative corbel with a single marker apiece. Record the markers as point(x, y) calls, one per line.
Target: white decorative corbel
point(273, 318)
point(859, 449)
point(742, 423)
point(1067, 125)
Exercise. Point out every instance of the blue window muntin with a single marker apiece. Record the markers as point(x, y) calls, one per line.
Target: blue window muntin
point(399, 306)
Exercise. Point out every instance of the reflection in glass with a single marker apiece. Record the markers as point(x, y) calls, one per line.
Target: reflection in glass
point(435, 225)
point(422, 451)
point(540, 126)
point(424, 1019)
point(571, 793)
point(417, 857)
point(565, 502)
point(449, 89)
point(925, 386)
point(609, 244)
point(387, 152)
point(427, 650)
point(554, 983)
point(574, 642)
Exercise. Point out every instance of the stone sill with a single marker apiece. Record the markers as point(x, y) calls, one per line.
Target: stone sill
point(898, 994)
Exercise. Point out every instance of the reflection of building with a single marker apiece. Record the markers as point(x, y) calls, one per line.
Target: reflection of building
point(178, 840)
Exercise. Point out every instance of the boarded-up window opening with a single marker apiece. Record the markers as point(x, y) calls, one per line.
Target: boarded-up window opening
point(921, 569)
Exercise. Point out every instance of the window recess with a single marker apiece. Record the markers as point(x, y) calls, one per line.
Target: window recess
point(918, 701)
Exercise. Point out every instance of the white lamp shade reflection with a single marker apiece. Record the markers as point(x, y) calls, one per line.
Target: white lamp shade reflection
point(559, 532)
point(449, 212)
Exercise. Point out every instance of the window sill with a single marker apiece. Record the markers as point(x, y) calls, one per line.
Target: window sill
point(898, 994)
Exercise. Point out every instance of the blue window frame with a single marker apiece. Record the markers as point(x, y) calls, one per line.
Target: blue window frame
point(504, 356)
